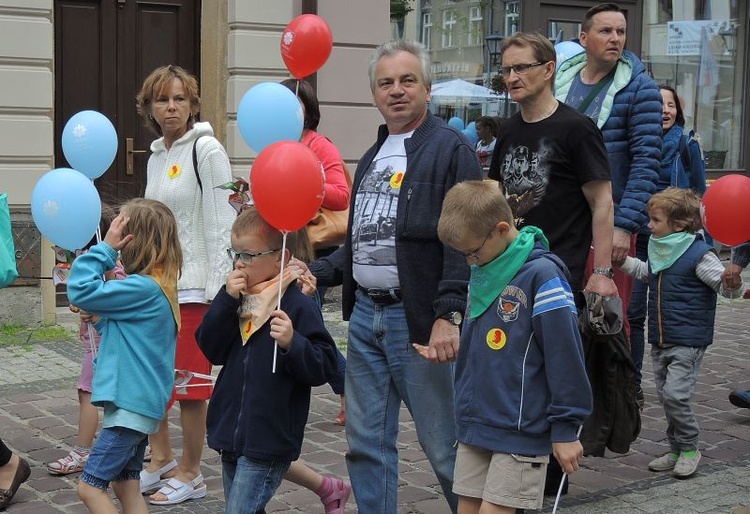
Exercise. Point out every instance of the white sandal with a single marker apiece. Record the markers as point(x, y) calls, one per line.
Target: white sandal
point(73, 462)
point(152, 480)
point(178, 492)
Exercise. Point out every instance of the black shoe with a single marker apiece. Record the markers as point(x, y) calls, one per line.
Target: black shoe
point(740, 398)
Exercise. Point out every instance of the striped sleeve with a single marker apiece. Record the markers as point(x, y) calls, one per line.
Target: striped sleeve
point(709, 270)
point(554, 294)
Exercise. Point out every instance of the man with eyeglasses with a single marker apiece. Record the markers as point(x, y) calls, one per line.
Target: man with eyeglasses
point(401, 285)
point(566, 190)
point(552, 164)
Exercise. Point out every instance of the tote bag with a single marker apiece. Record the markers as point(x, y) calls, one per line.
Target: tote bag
point(8, 271)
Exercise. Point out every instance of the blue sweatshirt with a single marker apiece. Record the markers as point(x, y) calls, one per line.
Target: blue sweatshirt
point(521, 383)
point(134, 369)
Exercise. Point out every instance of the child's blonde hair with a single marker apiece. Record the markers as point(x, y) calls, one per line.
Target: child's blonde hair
point(250, 220)
point(681, 206)
point(155, 245)
point(473, 208)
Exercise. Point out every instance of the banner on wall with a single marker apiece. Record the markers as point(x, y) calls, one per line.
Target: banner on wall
point(684, 37)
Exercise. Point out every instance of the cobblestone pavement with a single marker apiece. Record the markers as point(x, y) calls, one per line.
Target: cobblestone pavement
point(38, 419)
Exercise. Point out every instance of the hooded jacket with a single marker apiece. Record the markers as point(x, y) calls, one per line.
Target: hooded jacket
point(630, 121)
point(520, 378)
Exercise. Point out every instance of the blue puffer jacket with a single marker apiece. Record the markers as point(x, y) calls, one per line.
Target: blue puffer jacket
point(630, 121)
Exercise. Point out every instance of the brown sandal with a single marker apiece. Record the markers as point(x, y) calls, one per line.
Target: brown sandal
point(23, 472)
point(340, 419)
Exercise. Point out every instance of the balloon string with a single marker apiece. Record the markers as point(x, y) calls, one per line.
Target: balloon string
point(281, 291)
point(731, 260)
point(92, 341)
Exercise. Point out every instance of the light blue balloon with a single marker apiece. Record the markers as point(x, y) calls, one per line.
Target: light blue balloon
point(457, 123)
point(89, 142)
point(268, 113)
point(471, 133)
point(567, 49)
point(66, 208)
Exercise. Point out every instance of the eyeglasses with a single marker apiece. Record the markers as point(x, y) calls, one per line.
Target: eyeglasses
point(247, 257)
point(474, 254)
point(520, 69)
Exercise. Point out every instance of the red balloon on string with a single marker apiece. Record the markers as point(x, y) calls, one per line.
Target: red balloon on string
point(726, 209)
point(306, 44)
point(286, 183)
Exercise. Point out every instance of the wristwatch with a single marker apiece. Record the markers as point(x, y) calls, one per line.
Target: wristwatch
point(454, 317)
point(607, 272)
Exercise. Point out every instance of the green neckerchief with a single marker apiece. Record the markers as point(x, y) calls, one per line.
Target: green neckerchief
point(489, 280)
point(664, 251)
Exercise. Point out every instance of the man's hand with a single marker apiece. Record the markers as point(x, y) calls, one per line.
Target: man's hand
point(620, 245)
point(443, 345)
point(731, 277)
point(568, 455)
point(114, 236)
point(236, 283)
point(601, 284)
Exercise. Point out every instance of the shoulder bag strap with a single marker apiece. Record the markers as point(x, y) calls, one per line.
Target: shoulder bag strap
point(596, 89)
point(195, 164)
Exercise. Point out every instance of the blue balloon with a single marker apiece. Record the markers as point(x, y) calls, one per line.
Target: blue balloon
point(268, 113)
point(66, 208)
point(89, 142)
point(457, 123)
point(567, 49)
point(471, 133)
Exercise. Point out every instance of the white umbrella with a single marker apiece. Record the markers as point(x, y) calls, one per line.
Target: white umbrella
point(458, 90)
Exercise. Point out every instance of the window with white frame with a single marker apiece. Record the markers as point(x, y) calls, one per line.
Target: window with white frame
point(512, 17)
point(427, 30)
point(449, 28)
point(476, 34)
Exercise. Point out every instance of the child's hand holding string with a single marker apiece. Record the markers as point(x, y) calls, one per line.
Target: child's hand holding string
point(115, 235)
point(282, 329)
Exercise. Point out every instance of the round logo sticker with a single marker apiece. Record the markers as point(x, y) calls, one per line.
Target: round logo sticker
point(397, 179)
point(174, 171)
point(496, 339)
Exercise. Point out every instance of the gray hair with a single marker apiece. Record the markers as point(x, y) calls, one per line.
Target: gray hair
point(401, 45)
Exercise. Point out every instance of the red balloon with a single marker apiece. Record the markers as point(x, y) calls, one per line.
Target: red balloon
point(286, 183)
point(726, 209)
point(306, 44)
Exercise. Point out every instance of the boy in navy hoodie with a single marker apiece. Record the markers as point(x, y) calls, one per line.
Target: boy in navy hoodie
point(521, 385)
point(257, 414)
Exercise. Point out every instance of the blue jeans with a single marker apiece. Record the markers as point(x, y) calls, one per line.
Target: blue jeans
point(249, 484)
point(117, 455)
point(675, 374)
point(637, 312)
point(382, 370)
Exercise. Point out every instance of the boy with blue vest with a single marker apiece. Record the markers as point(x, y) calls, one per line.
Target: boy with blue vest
point(684, 275)
point(521, 385)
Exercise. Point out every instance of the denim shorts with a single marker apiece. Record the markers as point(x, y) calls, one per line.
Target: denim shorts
point(117, 455)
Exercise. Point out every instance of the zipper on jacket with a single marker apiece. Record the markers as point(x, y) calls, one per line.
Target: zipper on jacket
point(242, 401)
point(406, 210)
point(658, 311)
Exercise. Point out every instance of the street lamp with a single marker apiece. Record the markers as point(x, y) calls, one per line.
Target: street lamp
point(493, 42)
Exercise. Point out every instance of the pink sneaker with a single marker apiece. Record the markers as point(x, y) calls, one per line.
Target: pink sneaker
point(336, 494)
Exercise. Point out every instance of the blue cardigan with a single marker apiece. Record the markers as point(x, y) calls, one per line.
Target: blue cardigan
point(630, 121)
point(134, 368)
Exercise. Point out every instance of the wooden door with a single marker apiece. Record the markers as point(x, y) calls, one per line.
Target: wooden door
point(103, 51)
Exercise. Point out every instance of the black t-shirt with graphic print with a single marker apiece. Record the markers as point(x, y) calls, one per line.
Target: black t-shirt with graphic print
point(542, 167)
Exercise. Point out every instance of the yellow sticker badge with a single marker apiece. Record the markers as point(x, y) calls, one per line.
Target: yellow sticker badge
point(496, 339)
point(174, 171)
point(246, 330)
point(396, 179)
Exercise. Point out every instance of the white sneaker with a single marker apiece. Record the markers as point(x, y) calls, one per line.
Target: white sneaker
point(664, 463)
point(686, 466)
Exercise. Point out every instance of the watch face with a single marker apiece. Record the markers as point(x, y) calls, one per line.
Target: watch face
point(456, 318)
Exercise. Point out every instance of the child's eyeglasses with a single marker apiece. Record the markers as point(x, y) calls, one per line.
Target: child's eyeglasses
point(183, 377)
point(247, 257)
point(474, 254)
